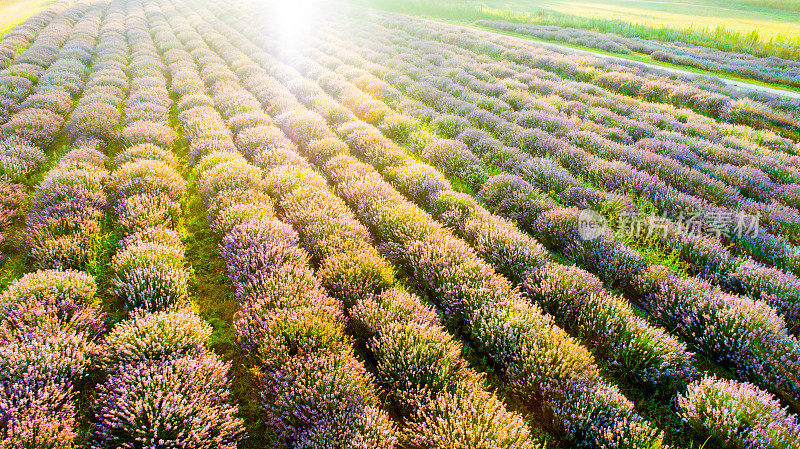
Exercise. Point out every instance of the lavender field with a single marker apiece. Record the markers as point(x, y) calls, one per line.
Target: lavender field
point(244, 224)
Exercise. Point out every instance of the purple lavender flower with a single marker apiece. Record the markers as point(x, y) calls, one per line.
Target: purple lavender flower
point(184, 401)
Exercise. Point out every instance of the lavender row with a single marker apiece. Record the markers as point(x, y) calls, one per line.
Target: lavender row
point(591, 314)
point(145, 190)
point(64, 220)
point(51, 319)
point(692, 182)
point(283, 305)
point(535, 171)
point(619, 266)
point(20, 79)
point(476, 308)
point(160, 350)
point(628, 79)
point(770, 69)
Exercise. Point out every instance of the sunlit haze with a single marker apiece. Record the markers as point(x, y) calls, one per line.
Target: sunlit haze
point(391, 224)
point(291, 21)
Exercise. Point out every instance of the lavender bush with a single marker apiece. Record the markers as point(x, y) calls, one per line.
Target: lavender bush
point(182, 401)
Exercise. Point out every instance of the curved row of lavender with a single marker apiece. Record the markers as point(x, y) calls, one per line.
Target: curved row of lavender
point(608, 256)
point(313, 390)
point(165, 386)
point(770, 69)
point(305, 90)
point(51, 318)
point(52, 325)
point(484, 297)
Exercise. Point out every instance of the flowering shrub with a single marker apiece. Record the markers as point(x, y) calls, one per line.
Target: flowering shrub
point(73, 251)
point(141, 211)
point(64, 292)
point(310, 392)
point(352, 275)
point(193, 409)
point(418, 181)
point(154, 337)
point(372, 314)
point(229, 198)
point(143, 131)
point(232, 174)
point(467, 419)
point(47, 355)
point(456, 160)
point(19, 158)
point(12, 201)
point(737, 414)
point(512, 252)
point(163, 236)
point(38, 126)
point(36, 413)
point(246, 120)
point(146, 177)
point(414, 357)
point(93, 120)
point(302, 126)
point(743, 333)
point(236, 214)
point(150, 275)
point(64, 214)
point(777, 288)
point(266, 138)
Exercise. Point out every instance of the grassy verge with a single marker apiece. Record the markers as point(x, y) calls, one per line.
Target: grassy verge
point(14, 12)
point(606, 18)
point(637, 57)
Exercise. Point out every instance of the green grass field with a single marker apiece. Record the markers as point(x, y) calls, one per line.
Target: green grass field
point(771, 20)
point(639, 57)
point(761, 27)
point(12, 12)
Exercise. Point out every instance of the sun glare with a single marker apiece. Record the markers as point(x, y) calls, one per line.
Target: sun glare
point(292, 20)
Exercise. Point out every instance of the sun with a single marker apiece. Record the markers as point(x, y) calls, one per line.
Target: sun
point(291, 21)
